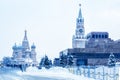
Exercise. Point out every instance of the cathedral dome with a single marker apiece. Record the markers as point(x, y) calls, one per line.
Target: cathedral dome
point(33, 46)
point(14, 47)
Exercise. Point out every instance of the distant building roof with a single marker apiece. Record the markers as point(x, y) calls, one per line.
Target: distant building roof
point(97, 32)
point(97, 35)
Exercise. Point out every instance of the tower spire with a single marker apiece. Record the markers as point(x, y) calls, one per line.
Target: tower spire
point(80, 12)
point(25, 36)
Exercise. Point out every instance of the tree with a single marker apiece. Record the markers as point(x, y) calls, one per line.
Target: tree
point(70, 60)
point(63, 60)
point(41, 64)
point(45, 62)
point(111, 60)
point(7, 61)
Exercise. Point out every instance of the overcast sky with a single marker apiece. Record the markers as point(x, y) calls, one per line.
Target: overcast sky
point(50, 24)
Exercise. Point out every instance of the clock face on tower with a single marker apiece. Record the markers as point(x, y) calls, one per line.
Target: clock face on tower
point(80, 30)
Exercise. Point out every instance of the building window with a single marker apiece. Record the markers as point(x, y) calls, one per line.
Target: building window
point(96, 36)
point(93, 36)
point(103, 36)
point(106, 36)
point(99, 36)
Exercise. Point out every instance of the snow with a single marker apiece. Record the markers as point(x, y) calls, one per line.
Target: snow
point(58, 73)
point(32, 73)
point(55, 72)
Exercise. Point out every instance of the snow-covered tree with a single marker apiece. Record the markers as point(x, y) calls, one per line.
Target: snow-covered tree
point(70, 60)
point(7, 61)
point(111, 60)
point(45, 62)
point(41, 64)
point(63, 60)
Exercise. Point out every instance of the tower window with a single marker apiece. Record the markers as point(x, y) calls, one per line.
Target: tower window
point(79, 20)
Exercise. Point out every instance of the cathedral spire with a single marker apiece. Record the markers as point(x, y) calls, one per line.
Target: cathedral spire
point(25, 42)
point(80, 12)
point(25, 36)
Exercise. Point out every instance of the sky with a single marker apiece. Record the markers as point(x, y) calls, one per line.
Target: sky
point(50, 24)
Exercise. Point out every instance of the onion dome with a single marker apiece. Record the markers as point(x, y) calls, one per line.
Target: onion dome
point(33, 46)
point(14, 47)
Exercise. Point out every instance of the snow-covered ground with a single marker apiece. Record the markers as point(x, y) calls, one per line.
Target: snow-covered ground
point(99, 72)
point(32, 73)
point(58, 73)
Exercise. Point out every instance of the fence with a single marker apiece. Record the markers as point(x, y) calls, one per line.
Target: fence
point(97, 72)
